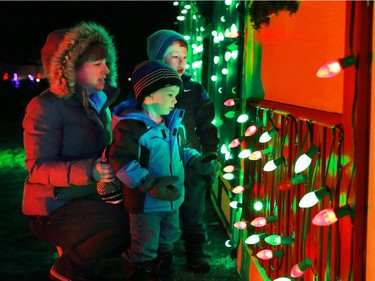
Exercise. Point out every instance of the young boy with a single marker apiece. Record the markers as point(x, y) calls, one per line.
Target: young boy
point(171, 47)
point(148, 157)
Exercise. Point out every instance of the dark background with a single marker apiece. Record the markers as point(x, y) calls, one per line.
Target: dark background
point(24, 26)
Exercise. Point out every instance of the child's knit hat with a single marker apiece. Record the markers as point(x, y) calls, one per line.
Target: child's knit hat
point(150, 76)
point(158, 43)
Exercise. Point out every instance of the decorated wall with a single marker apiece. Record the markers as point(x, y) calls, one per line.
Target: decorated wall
point(294, 186)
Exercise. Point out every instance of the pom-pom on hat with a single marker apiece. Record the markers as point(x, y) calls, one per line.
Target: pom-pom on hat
point(152, 75)
point(158, 43)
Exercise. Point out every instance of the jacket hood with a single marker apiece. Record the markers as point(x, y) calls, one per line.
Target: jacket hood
point(128, 110)
point(62, 72)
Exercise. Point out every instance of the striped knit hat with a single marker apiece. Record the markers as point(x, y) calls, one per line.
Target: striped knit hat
point(150, 76)
point(158, 43)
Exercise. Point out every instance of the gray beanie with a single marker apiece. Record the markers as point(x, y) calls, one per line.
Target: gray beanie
point(158, 43)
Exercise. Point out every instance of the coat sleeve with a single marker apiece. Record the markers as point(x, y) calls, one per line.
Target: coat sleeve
point(43, 133)
point(124, 154)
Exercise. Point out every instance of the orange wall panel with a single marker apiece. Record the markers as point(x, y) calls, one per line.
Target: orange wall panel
point(293, 49)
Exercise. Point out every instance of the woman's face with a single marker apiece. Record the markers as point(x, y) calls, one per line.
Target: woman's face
point(92, 74)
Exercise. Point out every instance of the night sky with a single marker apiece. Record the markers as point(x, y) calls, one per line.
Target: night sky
point(25, 26)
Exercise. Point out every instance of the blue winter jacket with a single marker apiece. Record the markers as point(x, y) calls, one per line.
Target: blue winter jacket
point(141, 147)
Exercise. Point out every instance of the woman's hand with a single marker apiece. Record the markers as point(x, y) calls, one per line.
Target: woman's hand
point(102, 172)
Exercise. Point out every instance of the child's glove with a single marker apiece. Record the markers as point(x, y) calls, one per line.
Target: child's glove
point(161, 188)
point(205, 164)
point(110, 192)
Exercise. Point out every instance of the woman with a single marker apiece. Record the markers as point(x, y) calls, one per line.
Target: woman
point(66, 129)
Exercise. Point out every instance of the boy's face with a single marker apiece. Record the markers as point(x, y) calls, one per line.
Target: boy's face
point(163, 100)
point(175, 56)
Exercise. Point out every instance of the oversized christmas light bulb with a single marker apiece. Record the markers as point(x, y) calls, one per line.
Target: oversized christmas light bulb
point(313, 197)
point(330, 216)
point(268, 254)
point(255, 238)
point(334, 67)
point(299, 269)
point(238, 189)
point(240, 225)
point(267, 136)
point(258, 154)
point(262, 221)
point(276, 240)
point(304, 161)
point(273, 164)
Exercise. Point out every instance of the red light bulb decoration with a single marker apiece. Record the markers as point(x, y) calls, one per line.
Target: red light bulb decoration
point(230, 102)
point(258, 154)
point(290, 183)
point(268, 254)
point(334, 67)
point(252, 129)
point(238, 189)
point(299, 269)
point(236, 142)
point(229, 168)
point(330, 216)
point(262, 221)
point(240, 225)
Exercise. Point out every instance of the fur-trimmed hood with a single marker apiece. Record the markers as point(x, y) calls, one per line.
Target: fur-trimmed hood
point(60, 61)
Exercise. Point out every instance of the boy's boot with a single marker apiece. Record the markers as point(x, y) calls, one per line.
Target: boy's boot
point(144, 271)
point(196, 257)
point(165, 269)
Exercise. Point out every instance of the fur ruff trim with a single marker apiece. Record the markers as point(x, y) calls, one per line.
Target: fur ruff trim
point(63, 72)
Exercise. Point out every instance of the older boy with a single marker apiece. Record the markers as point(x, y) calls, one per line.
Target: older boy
point(171, 47)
